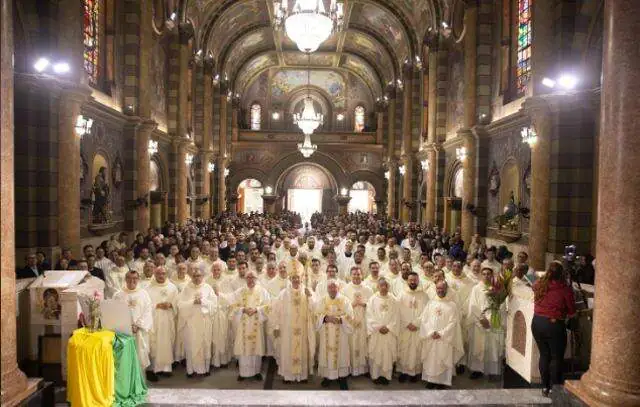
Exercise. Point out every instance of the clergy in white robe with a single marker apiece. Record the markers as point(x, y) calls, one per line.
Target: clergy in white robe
point(147, 273)
point(281, 280)
point(442, 339)
point(313, 276)
point(164, 302)
point(197, 305)
point(221, 340)
point(486, 343)
point(271, 270)
point(115, 277)
point(412, 302)
point(332, 274)
point(181, 278)
point(292, 320)
point(383, 316)
point(359, 295)
point(249, 306)
point(393, 274)
point(334, 316)
point(491, 261)
point(372, 279)
point(141, 314)
point(460, 284)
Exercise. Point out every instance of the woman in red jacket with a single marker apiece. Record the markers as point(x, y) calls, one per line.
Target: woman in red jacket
point(554, 303)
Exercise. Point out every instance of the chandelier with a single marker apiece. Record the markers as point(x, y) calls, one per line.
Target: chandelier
point(308, 23)
point(308, 120)
point(306, 148)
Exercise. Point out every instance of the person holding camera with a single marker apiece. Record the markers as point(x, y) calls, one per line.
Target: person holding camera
point(553, 304)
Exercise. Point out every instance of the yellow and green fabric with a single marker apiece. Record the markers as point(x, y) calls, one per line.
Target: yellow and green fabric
point(103, 370)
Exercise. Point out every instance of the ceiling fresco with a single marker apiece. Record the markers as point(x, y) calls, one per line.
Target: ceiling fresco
point(255, 66)
point(315, 59)
point(287, 80)
point(250, 43)
point(361, 68)
point(365, 45)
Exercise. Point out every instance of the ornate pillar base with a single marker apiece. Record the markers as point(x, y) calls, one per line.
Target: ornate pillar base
point(343, 204)
point(269, 203)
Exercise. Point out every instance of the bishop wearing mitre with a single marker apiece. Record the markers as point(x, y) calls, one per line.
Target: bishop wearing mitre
point(442, 339)
point(383, 316)
point(249, 306)
point(141, 314)
point(164, 302)
point(291, 317)
point(359, 295)
point(334, 316)
point(197, 306)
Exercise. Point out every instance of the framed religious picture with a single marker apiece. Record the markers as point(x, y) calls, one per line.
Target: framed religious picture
point(494, 180)
point(117, 172)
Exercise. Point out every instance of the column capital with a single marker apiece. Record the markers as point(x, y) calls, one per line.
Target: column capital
point(147, 125)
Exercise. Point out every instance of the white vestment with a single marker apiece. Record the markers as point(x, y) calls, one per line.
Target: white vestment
point(486, 346)
point(196, 325)
point(162, 336)
point(141, 315)
point(358, 339)
point(382, 311)
point(180, 283)
point(334, 361)
point(372, 283)
point(439, 356)
point(412, 305)
point(292, 315)
point(115, 280)
point(462, 286)
point(249, 341)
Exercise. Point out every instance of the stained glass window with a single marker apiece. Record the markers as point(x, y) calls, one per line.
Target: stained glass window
point(523, 68)
point(359, 119)
point(256, 116)
point(91, 29)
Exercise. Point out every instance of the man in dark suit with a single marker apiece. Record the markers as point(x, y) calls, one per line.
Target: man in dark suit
point(42, 262)
point(92, 269)
point(31, 269)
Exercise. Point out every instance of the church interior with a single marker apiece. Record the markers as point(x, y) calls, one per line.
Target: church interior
point(514, 122)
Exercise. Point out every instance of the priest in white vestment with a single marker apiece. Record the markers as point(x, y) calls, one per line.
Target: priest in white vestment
point(292, 321)
point(281, 280)
point(460, 284)
point(249, 306)
point(332, 274)
point(164, 301)
point(197, 305)
point(442, 339)
point(372, 279)
point(383, 315)
point(359, 295)
point(412, 302)
point(486, 343)
point(271, 270)
point(221, 341)
point(491, 261)
point(141, 314)
point(115, 277)
point(334, 316)
point(181, 278)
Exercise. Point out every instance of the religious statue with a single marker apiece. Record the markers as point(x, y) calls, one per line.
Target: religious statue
point(117, 173)
point(100, 197)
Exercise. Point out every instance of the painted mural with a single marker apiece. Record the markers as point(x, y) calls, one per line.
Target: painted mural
point(236, 18)
point(298, 58)
point(385, 24)
point(284, 81)
point(455, 107)
point(362, 68)
point(419, 13)
point(253, 67)
point(248, 45)
point(158, 82)
point(361, 44)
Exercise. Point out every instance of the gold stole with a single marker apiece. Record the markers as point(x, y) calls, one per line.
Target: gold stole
point(250, 324)
point(298, 325)
point(334, 308)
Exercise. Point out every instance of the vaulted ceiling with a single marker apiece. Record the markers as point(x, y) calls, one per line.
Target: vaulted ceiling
point(379, 38)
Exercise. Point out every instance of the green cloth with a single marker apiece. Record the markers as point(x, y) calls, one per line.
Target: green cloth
point(131, 388)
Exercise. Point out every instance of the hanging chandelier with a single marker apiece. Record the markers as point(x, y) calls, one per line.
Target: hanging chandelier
point(308, 121)
point(306, 148)
point(308, 23)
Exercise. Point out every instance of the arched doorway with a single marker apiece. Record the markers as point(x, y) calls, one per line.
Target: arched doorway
point(363, 197)
point(157, 195)
point(307, 189)
point(250, 196)
point(453, 202)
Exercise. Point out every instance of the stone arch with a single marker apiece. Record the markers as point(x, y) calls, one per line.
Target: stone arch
point(279, 184)
point(374, 179)
point(450, 177)
point(237, 175)
point(318, 95)
point(510, 180)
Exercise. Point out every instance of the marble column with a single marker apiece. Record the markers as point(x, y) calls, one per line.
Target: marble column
point(222, 184)
point(234, 122)
point(207, 138)
point(71, 100)
point(430, 215)
point(469, 165)
point(392, 168)
point(380, 127)
point(269, 203)
point(613, 378)
point(407, 146)
point(391, 157)
point(431, 187)
point(540, 113)
point(205, 209)
point(14, 382)
point(143, 169)
point(222, 151)
point(182, 209)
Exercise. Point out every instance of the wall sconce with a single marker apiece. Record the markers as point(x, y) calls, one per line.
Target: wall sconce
point(344, 191)
point(387, 174)
point(211, 167)
point(529, 136)
point(268, 190)
point(153, 147)
point(425, 165)
point(340, 117)
point(83, 125)
point(188, 159)
point(226, 172)
point(275, 116)
point(216, 79)
point(461, 153)
point(402, 169)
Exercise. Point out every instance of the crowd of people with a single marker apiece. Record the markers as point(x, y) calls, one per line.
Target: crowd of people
point(350, 295)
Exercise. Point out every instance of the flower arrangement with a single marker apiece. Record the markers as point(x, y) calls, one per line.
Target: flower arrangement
point(497, 293)
point(93, 322)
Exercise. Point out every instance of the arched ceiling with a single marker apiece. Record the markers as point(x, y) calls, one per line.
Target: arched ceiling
point(380, 36)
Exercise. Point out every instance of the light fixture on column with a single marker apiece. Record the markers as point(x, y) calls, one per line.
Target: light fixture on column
point(402, 169)
point(344, 191)
point(275, 116)
point(307, 22)
point(425, 164)
point(211, 167)
point(529, 136)
point(387, 175)
point(340, 117)
point(41, 64)
point(461, 153)
point(226, 172)
point(268, 190)
point(216, 79)
point(188, 159)
point(61, 67)
point(306, 148)
point(153, 147)
point(83, 125)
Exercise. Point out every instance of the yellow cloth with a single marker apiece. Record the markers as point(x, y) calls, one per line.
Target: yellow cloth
point(91, 369)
